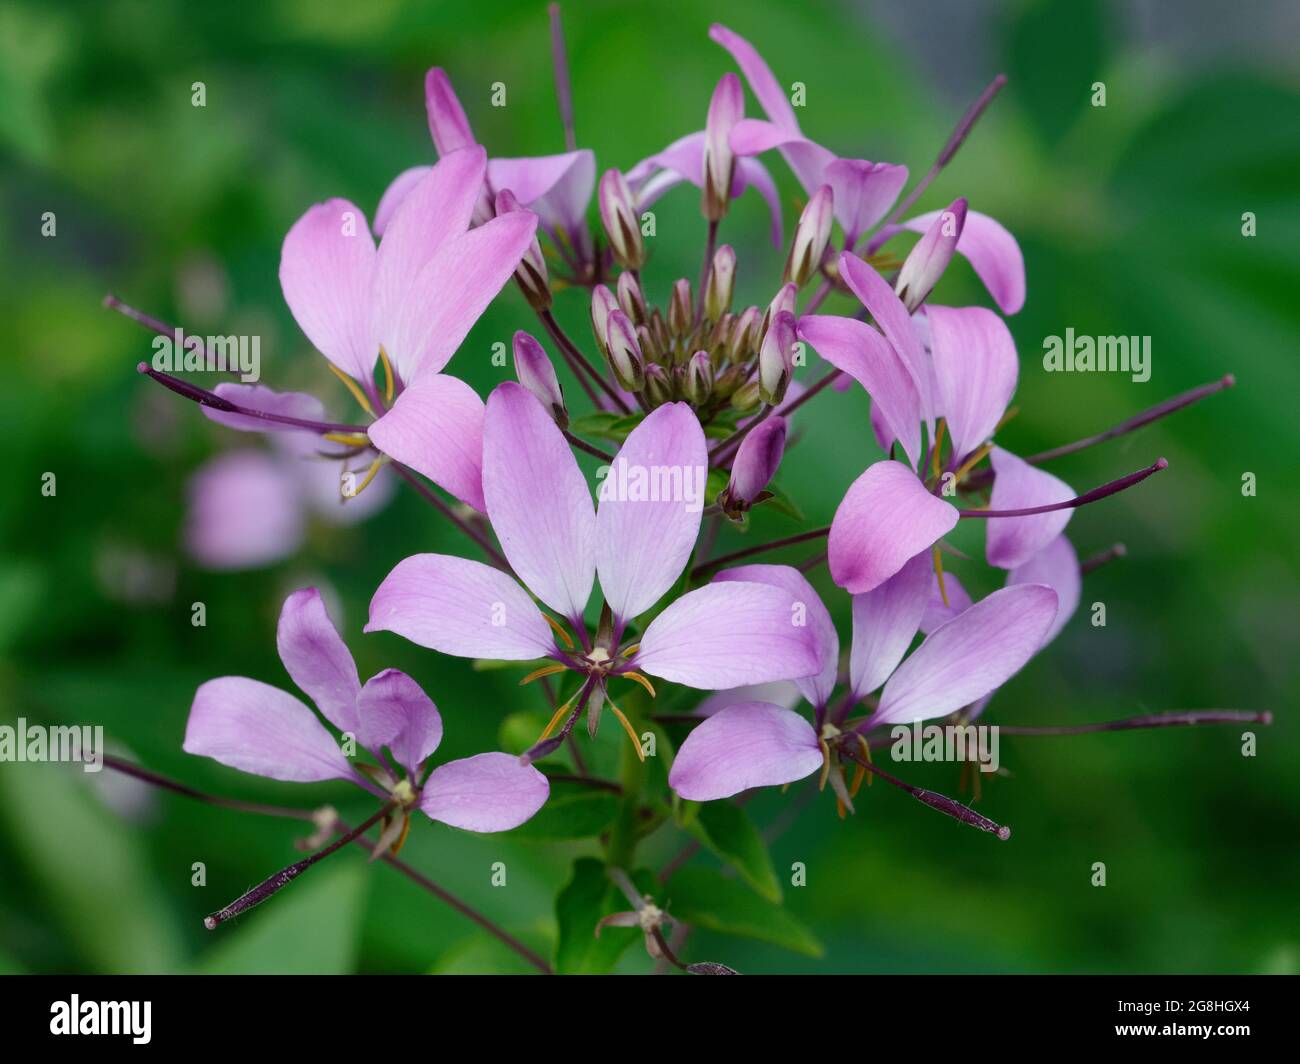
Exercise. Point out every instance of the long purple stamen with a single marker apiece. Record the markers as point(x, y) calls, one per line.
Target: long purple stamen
point(1102, 492)
point(1189, 718)
point(563, 89)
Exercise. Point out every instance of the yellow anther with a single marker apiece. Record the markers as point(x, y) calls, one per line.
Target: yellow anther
point(627, 727)
point(937, 458)
point(370, 475)
point(545, 670)
point(641, 680)
point(559, 715)
point(866, 752)
point(348, 439)
point(826, 764)
point(1011, 412)
point(559, 630)
point(938, 572)
point(354, 388)
point(631, 650)
point(388, 375)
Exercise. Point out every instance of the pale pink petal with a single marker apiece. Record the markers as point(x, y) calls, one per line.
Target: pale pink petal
point(783, 693)
point(487, 792)
point(752, 744)
point(257, 728)
point(436, 428)
point(886, 518)
point(538, 501)
point(816, 689)
point(447, 122)
point(259, 397)
point(975, 369)
point(1057, 566)
point(394, 711)
point(1012, 541)
point(317, 659)
point(651, 502)
point(861, 352)
point(864, 192)
point(244, 512)
point(992, 251)
point(397, 191)
point(808, 160)
point(557, 188)
point(968, 657)
point(937, 611)
point(460, 607)
point(729, 634)
point(884, 622)
point(326, 267)
point(762, 82)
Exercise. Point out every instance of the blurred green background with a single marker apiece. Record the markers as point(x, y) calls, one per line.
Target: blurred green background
point(1130, 221)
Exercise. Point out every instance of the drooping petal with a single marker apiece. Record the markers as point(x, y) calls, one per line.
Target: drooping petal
point(886, 518)
point(557, 188)
point(257, 728)
point(861, 352)
point(1057, 566)
point(436, 428)
point(459, 607)
point(394, 711)
point(864, 192)
point(397, 190)
point(487, 792)
point(992, 251)
point(975, 369)
point(761, 80)
point(260, 397)
point(451, 291)
point(969, 656)
point(752, 744)
point(1012, 541)
point(937, 611)
point(807, 159)
point(816, 689)
point(326, 267)
point(538, 501)
point(317, 659)
point(729, 634)
point(884, 622)
point(244, 512)
point(447, 122)
point(651, 502)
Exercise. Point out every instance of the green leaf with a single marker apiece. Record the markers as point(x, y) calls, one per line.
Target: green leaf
point(589, 895)
point(726, 829)
point(609, 426)
point(708, 899)
point(309, 928)
point(573, 811)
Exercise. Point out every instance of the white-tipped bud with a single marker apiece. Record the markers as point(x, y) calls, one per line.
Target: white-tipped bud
point(681, 310)
point(776, 359)
point(811, 236)
point(756, 462)
point(530, 274)
point(631, 298)
point(625, 357)
point(722, 283)
point(930, 256)
point(536, 373)
point(725, 109)
point(618, 215)
point(699, 378)
point(784, 300)
point(603, 304)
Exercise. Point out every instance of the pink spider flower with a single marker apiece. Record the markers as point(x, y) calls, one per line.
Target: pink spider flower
point(638, 541)
point(257, 728)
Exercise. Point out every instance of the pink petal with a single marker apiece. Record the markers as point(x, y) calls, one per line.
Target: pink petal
point(1057, 566)
point(460, 607)
point(436, 428)
point(781, 693)
point(864, 192)
point(762, 82)
point(1012, 541)
point(487, 792)
point(938, 612)
point(729, 634)
point(257, 728)
point(975, 369)
point(643, 543)
point(557, 188)
point(884, 622)
point(447, 122)
point(538, 501)
point(397, 190)
point(752, 744)
point(452, 290)
point(969, 656)
point(260, 397)
point(244, 512)
point(316, 658)
point(886, 518)
point(992, 251)
point(394, 711)
point(861, 352)
point(808, 160)
point(326, 266)
point(816, 689)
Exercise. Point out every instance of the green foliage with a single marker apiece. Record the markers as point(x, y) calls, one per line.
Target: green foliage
point(709, 900)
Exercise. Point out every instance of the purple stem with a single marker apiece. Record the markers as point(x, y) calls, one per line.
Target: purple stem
point(1079, 500)
point(563, 88)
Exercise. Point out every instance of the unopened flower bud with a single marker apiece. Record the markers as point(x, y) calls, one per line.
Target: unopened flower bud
point(530, 274)
point(811, 236)
point(784, 300)
point(776, 359)
point(722, 283)
point(744, 334)
point(618, 215)
point(725, 109)
point(658, 385)
point(699, 378)
point(631, 298)
point(650, 349)
point(746, 398)
point(625, 357)
point(536, 373)
point(930, 256)
point(663, 339)
point(681, 311)
point(603, 304)
point(756, 462)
